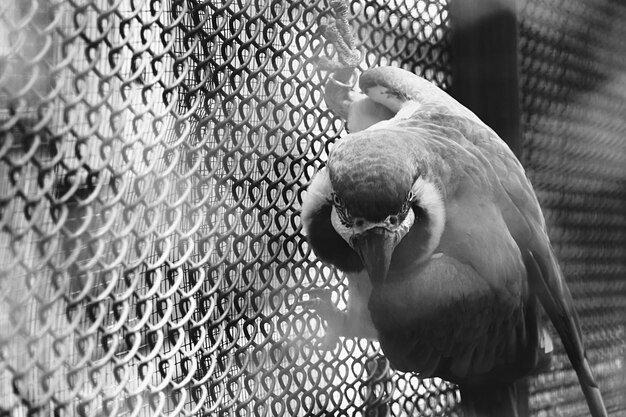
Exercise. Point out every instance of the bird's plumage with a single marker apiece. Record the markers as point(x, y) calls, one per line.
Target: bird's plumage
point(459, 299)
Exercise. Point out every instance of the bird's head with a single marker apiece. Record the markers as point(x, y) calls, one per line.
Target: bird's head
point(382, 203)
point(373, 238)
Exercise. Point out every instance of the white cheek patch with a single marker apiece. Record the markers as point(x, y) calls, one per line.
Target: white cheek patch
point(321, 187)
point(316, 196)
point(429, 198)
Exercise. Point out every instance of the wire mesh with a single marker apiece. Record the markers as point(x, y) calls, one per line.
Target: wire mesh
point(573, 89)
point(152, 158)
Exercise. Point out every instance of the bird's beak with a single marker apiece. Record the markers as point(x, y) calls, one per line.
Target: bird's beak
point(375, 247)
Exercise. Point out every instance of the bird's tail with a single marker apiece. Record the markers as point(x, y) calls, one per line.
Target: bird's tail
point(495, 400)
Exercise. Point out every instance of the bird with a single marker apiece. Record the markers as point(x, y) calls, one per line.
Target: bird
point(434, 223)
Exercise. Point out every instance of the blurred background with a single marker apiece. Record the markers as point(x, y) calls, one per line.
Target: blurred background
point(153, 156)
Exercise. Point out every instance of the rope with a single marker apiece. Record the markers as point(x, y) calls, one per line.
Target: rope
point(339, 32)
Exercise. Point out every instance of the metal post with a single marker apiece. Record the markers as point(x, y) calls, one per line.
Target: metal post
point(485, 63)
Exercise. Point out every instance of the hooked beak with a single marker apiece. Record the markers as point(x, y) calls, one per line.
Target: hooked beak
point(375, 247)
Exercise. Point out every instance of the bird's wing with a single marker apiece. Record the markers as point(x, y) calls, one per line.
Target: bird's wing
point(387, 93)
point(522, 215)
point(547, 282)
point(404, 93)
point(515, 198)
point(357, 109)
point(524, 219)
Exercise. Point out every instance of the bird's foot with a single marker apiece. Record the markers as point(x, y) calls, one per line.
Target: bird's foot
point(340, 34)
point(320, 302)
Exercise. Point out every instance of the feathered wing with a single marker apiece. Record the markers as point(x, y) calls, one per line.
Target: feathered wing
point(389, 94)
point(523, 216)
point(403, 93)
point(548, 284)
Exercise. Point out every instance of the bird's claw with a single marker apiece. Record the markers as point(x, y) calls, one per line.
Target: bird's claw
point(339, 33)
point(320, 302)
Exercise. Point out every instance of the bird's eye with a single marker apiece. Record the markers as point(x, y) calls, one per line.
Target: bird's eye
point(359, 222)
point(337, 201)
point(342, 213)
point(393, 220)
point(410, 199)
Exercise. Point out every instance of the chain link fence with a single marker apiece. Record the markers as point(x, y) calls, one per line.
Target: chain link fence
point(152, 162)
point(152, 159)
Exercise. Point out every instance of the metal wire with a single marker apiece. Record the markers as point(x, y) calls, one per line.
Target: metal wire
point(153, 155)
